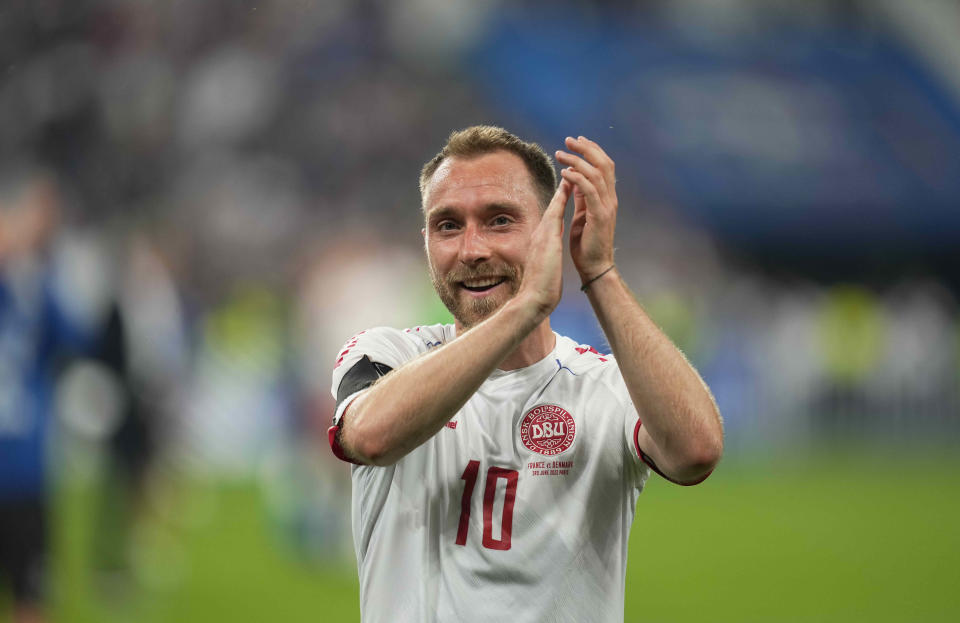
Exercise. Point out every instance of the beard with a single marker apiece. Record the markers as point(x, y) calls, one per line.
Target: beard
point(468, 310)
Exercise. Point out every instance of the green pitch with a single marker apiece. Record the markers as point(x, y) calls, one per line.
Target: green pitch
point(832, 537)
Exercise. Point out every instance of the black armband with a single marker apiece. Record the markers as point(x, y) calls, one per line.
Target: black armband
point(361, 376)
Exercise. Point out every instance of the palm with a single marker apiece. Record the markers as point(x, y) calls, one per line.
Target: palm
point(542, 278)
point(595, 205)
point(585, 242)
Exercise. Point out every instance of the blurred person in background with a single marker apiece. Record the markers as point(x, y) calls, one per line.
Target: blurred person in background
point(424, 413)
point(142, 348)
point(38, 326)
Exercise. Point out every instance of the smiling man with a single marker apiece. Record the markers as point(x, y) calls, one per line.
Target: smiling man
point(497, 464)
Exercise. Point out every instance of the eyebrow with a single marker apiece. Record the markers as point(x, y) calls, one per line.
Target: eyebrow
point(448, 211)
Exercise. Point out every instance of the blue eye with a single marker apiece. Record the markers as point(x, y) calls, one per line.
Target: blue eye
point(446, 226)
point(501, 220)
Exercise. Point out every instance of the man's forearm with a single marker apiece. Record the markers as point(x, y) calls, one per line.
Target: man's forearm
point(678, 412)
point(410, 404)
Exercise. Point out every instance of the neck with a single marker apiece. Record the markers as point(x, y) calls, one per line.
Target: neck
point(532, 349)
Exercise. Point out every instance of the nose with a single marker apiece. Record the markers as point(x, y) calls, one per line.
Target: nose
point(473, 246)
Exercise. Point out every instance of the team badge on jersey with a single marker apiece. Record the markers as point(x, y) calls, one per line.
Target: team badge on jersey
point(547, 429)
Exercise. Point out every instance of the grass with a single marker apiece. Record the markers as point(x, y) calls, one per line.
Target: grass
point(842, 536)
point(837, 537)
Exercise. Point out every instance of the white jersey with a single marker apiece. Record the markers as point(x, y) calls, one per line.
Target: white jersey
point(518, 509)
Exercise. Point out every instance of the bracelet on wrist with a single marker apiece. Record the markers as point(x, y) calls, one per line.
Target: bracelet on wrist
point(586, 284)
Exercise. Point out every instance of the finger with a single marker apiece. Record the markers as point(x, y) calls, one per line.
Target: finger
point(595, 155)
point(578, 163)
point(579, 219)
point(579, 203)
point(559, 201)
point(593, 202)
point(552, 218)
point(565, 189)
point(591, 150)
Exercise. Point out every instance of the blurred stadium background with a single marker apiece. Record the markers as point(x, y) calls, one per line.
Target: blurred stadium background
point(217, 194)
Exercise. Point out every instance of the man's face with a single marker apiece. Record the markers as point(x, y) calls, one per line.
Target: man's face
point(480, 214)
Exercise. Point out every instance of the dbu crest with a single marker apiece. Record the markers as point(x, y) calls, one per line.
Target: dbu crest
point(547, 430)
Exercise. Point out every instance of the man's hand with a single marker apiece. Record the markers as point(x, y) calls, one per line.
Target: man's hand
point(682, 433)
point(595, 205)
point(542, 284)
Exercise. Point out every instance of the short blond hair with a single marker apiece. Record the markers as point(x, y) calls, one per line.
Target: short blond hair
point(483, 139)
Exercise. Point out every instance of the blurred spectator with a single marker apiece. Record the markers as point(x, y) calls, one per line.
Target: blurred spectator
point(143, 348)
point(43, 319)
point(852, 329)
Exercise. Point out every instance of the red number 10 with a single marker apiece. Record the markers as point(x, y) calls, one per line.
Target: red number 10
point(490, 490)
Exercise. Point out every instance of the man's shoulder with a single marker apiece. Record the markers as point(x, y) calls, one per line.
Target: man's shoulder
point(583, 359)
point(421, 336)
point(430, 336)
point(387, 346)
point(588, 366)
point(416, 339)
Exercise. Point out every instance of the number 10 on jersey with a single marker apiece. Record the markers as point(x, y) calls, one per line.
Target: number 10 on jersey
point(494, 474)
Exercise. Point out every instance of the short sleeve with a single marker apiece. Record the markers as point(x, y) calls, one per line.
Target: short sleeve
point(635, 468)
point(383, 345)
point(642, 465)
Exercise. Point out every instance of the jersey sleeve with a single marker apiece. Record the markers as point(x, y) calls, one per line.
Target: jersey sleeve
point(641, 463)
point(364, 358)
point(637, 469)
point(383, 348)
